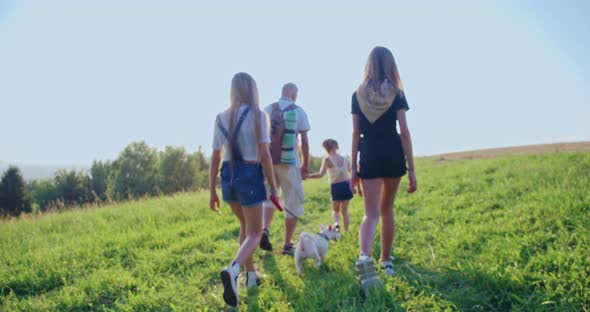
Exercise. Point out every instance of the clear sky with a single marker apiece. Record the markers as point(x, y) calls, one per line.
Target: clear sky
point(79, 80)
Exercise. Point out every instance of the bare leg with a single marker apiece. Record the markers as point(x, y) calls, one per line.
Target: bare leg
point(268, 216)
point(372, 193)
point(344, 212)
point(388, 191)
point(237, 209)
point(290, 224)
point(253, 221)
point(336, 211)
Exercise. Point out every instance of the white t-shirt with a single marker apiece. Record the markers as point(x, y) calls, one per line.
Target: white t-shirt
point(246, 136)
point(302, 121)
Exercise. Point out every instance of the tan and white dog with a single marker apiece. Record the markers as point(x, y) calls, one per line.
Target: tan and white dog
point(314, 246)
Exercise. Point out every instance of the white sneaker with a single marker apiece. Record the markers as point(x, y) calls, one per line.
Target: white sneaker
point(252, 279)
point(367, 273)
point(364, 259)
point(229, 279)
point(387, 267)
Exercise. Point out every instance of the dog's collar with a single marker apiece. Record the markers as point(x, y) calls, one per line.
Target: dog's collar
point(324, 236)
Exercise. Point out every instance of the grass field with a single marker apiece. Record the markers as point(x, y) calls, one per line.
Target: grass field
point(508, 233)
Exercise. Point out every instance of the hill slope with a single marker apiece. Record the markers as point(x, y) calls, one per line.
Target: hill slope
point(488, 234)
point(517, 150)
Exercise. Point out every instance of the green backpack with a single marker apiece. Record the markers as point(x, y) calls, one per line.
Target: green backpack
point(283, 134)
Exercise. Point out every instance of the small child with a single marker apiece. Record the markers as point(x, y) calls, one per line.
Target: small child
point(338, 172)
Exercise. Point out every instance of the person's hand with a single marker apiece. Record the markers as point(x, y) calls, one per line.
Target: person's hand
point(274, 198)
point(413, 182)
point(304, 172)
point(214, 201)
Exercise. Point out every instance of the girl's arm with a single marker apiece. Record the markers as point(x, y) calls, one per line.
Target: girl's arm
point(407, 144)
point(266, 161)
point(213, 171)
point(322, 171)
point(354, 180)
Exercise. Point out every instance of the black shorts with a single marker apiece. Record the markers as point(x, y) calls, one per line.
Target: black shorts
point(381, 158)
point(341, 191)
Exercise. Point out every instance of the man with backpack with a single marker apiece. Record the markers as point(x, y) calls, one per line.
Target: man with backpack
point(287, 122)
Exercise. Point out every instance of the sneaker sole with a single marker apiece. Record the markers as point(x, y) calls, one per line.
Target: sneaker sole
point(266, 248)
point(229, 294)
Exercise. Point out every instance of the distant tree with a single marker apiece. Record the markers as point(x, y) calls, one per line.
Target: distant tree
point(176, 170)
point(71, 186)
point(14, 194)
point(45, 193)
point(315, 163)
point(134, 172)
point(99, 178)
point(201, 169)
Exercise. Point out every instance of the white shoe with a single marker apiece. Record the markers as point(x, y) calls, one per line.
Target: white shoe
point(367, 273)
point(229, 279)
point(363, 259)
point(387, 267)
point(252, 279)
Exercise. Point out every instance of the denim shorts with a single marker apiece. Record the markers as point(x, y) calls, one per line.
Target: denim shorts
point(341, 191)
point(243, 183)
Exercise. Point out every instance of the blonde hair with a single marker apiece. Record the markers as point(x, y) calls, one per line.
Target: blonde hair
point(243, 91)
point(330, 145)
point(381, 66)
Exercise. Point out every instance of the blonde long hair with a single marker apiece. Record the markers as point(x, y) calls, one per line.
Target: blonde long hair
point(381, 66)
point(243, 91)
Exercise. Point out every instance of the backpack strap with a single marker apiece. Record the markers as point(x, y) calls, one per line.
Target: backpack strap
point(290, 107)
point(275, 106)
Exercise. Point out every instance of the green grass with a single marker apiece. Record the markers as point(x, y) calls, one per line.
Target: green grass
point(498, 234)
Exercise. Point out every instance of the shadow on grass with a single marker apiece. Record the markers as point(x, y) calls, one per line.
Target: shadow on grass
point(467, 288)
point(252, 300)
point(332, 287)
point(272, 268)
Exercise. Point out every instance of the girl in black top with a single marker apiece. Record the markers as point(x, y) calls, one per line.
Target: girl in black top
point(376, 106)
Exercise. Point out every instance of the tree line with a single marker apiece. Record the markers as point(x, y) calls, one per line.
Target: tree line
point(138, 171)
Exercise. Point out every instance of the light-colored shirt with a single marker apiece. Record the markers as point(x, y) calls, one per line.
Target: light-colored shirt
point(338, 173)
point(302, 120)
point(246, 136)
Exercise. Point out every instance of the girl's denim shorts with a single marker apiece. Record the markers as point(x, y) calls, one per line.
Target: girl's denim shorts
point(243, 183)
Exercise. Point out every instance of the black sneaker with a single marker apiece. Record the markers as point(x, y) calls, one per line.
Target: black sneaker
point(288, 249)
point(265, 241)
